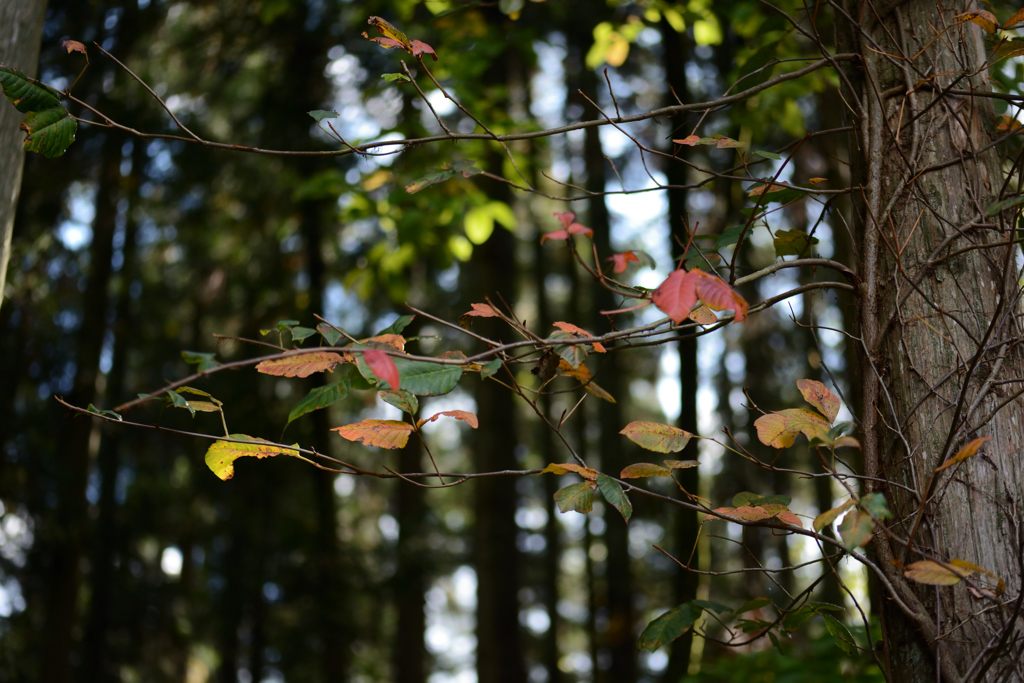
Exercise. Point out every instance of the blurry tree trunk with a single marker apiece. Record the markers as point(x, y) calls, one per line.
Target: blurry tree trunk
point(96, 665)
point(941, 329)
point(499, 642)
point(410, 580)
point(22, 22)
point(79, 441)
point(675, 54)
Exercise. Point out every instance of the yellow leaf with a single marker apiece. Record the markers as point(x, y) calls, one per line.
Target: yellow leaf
point(966, 452)
point(982, 18)
point(935, 574)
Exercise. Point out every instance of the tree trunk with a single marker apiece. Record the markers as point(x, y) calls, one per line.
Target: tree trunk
point(940, 308)
point(19, 47)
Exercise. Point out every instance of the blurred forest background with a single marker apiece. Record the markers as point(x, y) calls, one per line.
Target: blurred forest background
point(123, 558)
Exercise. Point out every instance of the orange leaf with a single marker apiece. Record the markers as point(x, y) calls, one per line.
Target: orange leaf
point(464, 415)
point(620, 260)
point(703, 315)
point(967, 451)
point(72, 46)
point(779, 430)
point(482, 311)
point(935, 574)
point(388, 30)
point(767, 188)
point(818, 395)
point(815, 181)
point(395, 340)
point(302, 365)
point(691, 140)
point(750, 514)
point(719, 296)
point(644, 469)
point(381, 365)
point(579, 332)
point(656, 437)
point(565, 467)
point(389, 434)
point(982, 18)
point(1015, 19)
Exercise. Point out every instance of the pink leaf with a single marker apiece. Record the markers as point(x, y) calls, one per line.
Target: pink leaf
point(676, 296)
point(577, 229)
point(482, 311)
point(464, 415)
point(691, 140)
point(566, 218)
point(556, 235)
point(381, 365)
point(387, 43)
point(718, 295)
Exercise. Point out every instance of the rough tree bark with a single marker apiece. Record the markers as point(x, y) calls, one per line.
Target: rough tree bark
point(941, 328)
point(19, 46)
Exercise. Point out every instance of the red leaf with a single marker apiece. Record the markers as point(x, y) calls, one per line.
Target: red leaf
point(421, 48)
point(381, 365)
point(556, 235)
point(464, 415)
point(818, 395)
point(718, 295)
point(676, 296)
point(389, 434)
point(622, 259)
point(482, 311)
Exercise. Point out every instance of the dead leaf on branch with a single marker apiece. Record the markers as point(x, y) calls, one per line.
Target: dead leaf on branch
point(302, 365)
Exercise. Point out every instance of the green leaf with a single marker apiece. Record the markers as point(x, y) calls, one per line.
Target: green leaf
point(711, 606)
point(466, 167)
point(746, 498)
point(108, 413)
point(489, 369)
point(330, 335)
point(423, 378)
point(729, 237)
point(767, 155)
point(669, 626)
point(875, 504)
point(653, 436)
point(396, 327)
point(578, 497)
point(838, 630)
point(793, 242)
point(750, 605)
point(856, 529)
point(699, 259)
point(999, 207)
point(574, 354)
point(178, 401)
point(428, 180)
point(402, 399)
point(616, 497)
point(322, 115)
point(285, 325)
point(27, 94)
point(796, 619)
point(202, 361)
point(320, 397)
point(300, 333)
point(221, 456)
point(391, 78)
point(50, 132)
